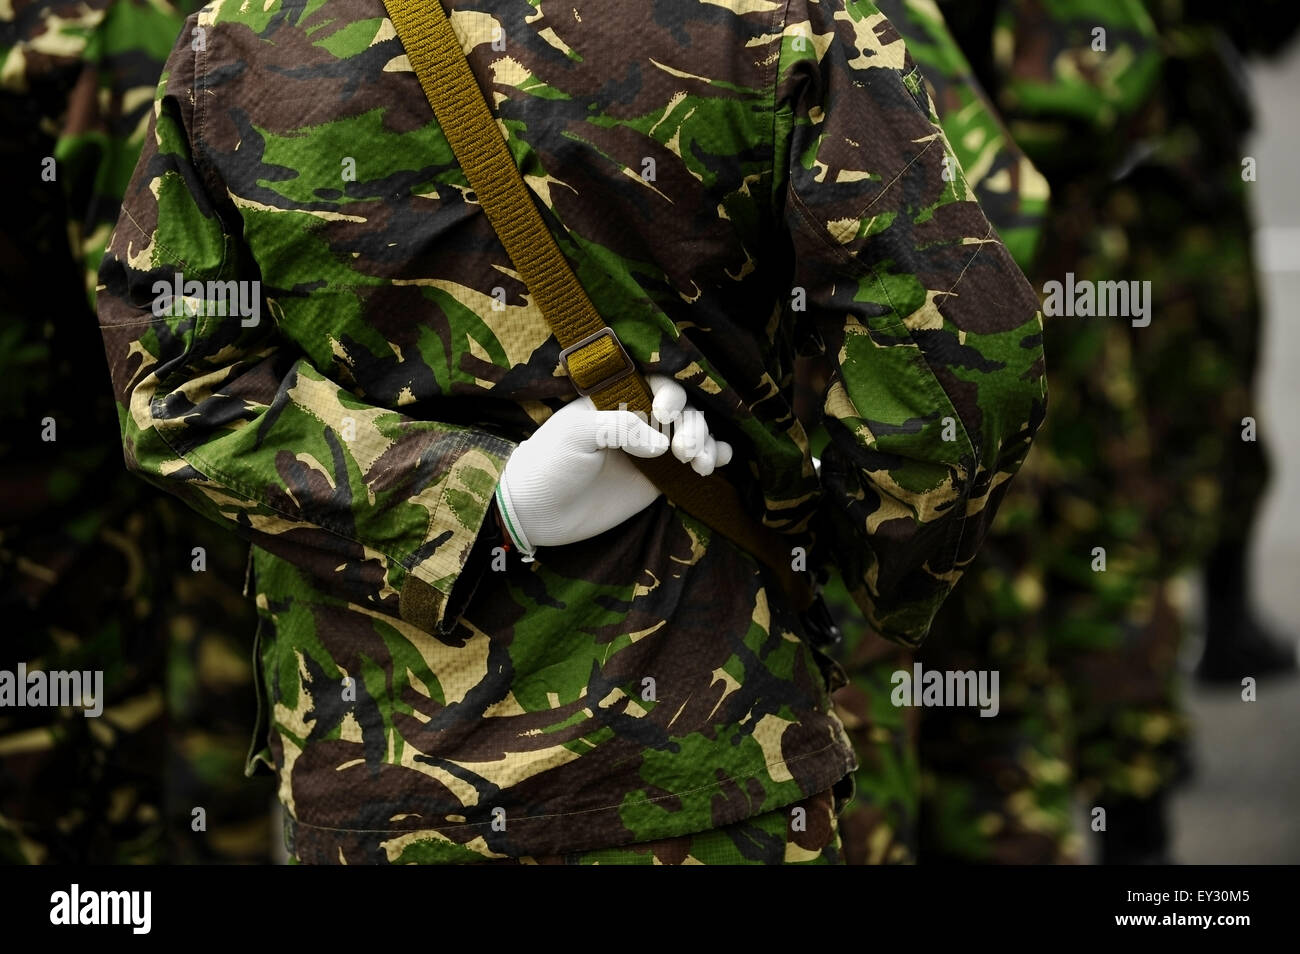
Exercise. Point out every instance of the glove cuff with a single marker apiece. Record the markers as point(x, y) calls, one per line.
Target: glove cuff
point(513, 526)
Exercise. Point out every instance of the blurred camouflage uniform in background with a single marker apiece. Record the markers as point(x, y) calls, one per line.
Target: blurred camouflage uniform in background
point(1075, 82)
point(1169, 207)
point(992, 788)
point(97, 573)
point(1181, 217)
point(1089, 700)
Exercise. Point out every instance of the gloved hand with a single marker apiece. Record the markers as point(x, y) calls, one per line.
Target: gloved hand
point(572, 479)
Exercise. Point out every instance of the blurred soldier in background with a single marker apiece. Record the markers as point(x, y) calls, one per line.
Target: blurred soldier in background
point(1038, 606)
point(1148, 469)
point(1070, 599)
point(96, 572)
point(1019, 756)
point(1180, 216)
point(1079, 559)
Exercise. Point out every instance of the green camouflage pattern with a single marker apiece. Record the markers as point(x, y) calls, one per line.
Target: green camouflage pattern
point(999, 790)
point(1106, 636)
point(356, 431)
point(1176, 392)
point(173, 737)
point(95, 573)
point(1089, 709)
point(1186, 223)
point(806, 833)
point(73, 789)
point(211, 693)
point(1072, 74)
point(1181, 218)
point(880, 824)
point(1011, 191)
point(1178, 216)
point(89, 65)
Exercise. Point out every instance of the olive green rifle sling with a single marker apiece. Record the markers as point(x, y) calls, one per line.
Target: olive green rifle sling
point(594, 358)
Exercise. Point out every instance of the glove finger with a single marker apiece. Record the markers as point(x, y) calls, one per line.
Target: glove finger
point(724, 454)
point(689, 435)
point(703, 462)
point(623, 430)
point(669, 398)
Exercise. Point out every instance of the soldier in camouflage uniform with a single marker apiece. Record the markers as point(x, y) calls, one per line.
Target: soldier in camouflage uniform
point(1184, 215)
point(96, 574)
point(1176, 216)
point(646, 684)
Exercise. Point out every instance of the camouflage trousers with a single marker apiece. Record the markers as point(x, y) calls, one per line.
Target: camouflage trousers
point(1197, 358)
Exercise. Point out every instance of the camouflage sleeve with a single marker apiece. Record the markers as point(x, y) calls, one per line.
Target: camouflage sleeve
point(936, 336)
point(217, 407)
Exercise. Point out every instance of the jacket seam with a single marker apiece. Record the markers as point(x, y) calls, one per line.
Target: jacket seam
point(172, 256)
point(781, 19)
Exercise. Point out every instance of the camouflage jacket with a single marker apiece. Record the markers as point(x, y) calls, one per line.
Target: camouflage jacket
point(731, 183)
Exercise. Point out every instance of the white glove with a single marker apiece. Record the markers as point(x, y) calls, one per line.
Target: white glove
point(572, 479)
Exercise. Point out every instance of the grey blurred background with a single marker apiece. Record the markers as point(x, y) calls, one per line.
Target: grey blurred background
point(1243, 805)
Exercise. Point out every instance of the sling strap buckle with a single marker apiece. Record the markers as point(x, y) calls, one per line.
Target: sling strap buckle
point(608, 359)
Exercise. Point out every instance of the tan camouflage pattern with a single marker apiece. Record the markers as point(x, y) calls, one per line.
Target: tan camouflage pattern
point(356, 432)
